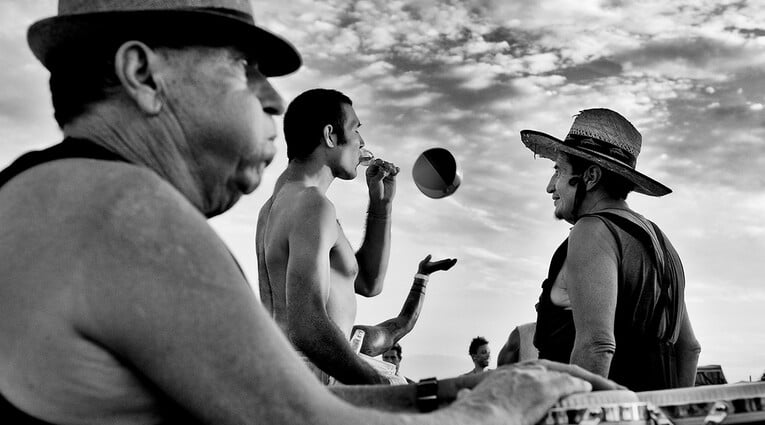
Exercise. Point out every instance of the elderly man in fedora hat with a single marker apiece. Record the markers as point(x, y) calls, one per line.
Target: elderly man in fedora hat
point(613, 302)
point(120, 304)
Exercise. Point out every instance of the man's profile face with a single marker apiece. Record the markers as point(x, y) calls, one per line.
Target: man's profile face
point(563, 193)
point(482, 356)
point(349, 142)
point(391, 356)
point(224, 107)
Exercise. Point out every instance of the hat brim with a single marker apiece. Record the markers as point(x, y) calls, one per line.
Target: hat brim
point(50, 39)
point(547, 146)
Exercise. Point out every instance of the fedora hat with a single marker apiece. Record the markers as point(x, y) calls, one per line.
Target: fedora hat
point(603, 137)
point(83, 23)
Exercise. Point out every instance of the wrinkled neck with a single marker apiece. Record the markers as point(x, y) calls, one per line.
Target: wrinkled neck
point(149, 141)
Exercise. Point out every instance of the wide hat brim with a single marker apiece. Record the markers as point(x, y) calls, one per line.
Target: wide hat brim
point(547, 146)
point(50, 39)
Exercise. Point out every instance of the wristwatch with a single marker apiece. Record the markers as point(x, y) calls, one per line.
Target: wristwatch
point(427, 394)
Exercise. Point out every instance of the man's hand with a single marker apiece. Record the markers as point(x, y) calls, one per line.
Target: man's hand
point(523, 393)
point(427, 267)
point(381, 180)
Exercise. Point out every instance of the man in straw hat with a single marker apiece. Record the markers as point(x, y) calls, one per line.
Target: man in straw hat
point(120, 304)
point(613, 300)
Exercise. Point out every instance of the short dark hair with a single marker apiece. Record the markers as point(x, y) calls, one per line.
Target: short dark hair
point(476, 343)
point(307, 115)
point(84, 74)
point(614, 185)
point(86, 77)
point(397, 348)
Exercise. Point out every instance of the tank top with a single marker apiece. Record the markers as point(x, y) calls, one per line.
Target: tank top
point(649, 306)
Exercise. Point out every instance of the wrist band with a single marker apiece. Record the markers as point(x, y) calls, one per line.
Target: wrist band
point(427, 395)
point(422, 277)
point(377, 216)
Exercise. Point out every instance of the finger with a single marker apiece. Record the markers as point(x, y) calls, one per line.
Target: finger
point(462, 393)
point(444, 264)
point(598, 382)
point(389, 167)
point(568, 384)
point(427, 259)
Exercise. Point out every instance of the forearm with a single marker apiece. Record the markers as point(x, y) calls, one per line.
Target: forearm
point(593, 354)
point(327, 348)
point(381, 337)
point(410, 311)
point(374, 252)
point(687, 351)
point(402, 398)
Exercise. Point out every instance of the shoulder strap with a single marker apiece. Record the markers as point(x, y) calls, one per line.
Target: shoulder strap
point(669, 304)
point(69, 148)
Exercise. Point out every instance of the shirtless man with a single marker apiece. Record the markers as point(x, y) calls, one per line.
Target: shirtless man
point(120, 303)
point(308, 273)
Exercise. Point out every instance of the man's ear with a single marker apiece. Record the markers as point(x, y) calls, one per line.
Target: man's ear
point(329, 136)
point(592, 176)
point(135, 64)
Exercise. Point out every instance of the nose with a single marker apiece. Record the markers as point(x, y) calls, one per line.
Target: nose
point(551, 185)
point(272, 102)
point(362, 141)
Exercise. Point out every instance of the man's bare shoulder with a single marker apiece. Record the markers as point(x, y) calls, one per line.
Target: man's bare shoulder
point(294, 204)
point(591, 240)
point(587, 230)
point(108, 207)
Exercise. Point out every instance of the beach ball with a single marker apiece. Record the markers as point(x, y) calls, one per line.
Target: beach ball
point(436, 173)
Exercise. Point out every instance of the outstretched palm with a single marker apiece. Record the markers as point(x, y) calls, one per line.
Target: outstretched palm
point(427, 267)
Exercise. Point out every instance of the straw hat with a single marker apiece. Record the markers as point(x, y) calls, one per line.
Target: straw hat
point(603, 137)
point(83, 23)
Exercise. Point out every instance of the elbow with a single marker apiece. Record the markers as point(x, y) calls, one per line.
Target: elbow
point(604, 345)
point(372, 292)
point(369, 288)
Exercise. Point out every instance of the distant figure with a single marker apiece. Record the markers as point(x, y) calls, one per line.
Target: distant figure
point(613, 301)
point(480, 354)
point(519, 346)
point(394, 356)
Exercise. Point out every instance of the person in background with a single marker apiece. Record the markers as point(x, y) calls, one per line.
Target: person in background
point(480, 354)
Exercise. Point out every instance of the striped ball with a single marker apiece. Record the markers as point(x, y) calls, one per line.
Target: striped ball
point(436, 173)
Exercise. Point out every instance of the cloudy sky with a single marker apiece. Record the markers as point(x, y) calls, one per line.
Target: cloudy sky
point(468, 76)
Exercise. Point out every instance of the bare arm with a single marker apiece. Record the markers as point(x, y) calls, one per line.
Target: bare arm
point(592, 275)
point(310, 327)
point(381, 337)
point(688, 349)
point(403, 397)
point(510, 352)
point(374, 252)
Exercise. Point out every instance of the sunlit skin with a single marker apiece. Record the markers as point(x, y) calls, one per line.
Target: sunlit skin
point(563, 193)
